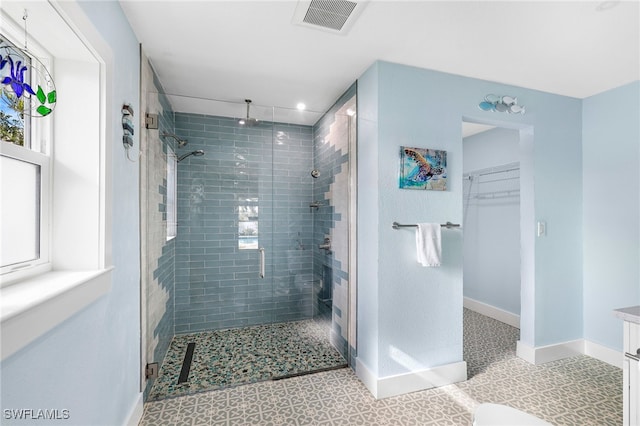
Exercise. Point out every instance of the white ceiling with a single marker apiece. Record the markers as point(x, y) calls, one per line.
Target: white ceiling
point(232, 50)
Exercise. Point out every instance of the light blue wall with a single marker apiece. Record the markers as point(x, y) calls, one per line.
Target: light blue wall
point(367, 228)
point(611, 161)
point(90, 363)
point(411, 317)
point(558, 201)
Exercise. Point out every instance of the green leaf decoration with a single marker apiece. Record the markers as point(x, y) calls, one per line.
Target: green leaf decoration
point(41, 96)
point(52, 97)
point(43, 110)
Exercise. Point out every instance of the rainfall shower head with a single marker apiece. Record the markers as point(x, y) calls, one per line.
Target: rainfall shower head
point(248, 121)
point(181, 142)
point(197, 153)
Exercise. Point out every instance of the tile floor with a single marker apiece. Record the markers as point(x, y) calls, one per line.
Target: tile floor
point(225, 358)
point(575, 391)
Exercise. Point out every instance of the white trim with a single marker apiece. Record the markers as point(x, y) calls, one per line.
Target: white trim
point(135, 415)
point(492, 312)
point(413, 381)
point(21, 270)
point(603, 353)
point(367, 377)
point(79, 23)
point(35, 306)
point(543, 354)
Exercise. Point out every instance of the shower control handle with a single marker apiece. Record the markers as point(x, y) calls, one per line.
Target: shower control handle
point(261, 273)
point(326, 245)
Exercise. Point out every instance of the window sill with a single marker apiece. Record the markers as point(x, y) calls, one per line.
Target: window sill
point(32, 307)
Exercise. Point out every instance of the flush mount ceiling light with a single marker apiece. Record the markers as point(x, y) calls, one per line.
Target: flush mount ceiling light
point(301, 106)
point(336, 16)
point(495, 103)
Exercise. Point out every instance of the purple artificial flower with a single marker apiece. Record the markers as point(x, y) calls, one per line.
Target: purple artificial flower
point(17, 78)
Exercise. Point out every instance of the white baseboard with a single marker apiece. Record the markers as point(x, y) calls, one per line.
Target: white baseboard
point(367, 377)
point(603, 353)
point(542, 354)
point(413, 381)
point(492, 312)
point(136, 412)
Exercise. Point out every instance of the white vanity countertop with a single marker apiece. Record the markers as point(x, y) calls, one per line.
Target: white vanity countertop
point(631, 314)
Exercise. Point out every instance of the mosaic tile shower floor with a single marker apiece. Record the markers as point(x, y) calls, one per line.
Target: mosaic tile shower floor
point(579, 391)
point(224, 358)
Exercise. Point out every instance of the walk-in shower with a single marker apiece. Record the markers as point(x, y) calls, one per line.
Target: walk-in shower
point(251, 194)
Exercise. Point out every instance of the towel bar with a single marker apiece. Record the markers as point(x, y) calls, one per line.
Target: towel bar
point(447, 225)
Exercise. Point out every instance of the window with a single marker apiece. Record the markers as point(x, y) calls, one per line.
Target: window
point(12, 120)
point(25, 168)
point(171, 205)
point(68, 154)
point(248, 224)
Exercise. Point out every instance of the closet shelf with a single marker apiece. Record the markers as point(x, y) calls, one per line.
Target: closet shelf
point(496, 194)
point(505, 168)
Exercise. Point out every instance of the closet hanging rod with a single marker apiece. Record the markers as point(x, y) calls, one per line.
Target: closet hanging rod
point(396, 225)
point(500, 179)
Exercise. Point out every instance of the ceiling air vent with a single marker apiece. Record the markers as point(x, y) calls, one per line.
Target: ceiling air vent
point(335, 16)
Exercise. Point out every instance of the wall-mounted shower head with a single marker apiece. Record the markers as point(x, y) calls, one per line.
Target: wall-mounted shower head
point(197, 153)
point(248, 121)
point(181, 142)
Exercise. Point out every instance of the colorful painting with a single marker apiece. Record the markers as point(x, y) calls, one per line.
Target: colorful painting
point(423, 168)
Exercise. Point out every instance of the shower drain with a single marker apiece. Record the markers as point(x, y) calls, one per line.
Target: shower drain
point(186, 364)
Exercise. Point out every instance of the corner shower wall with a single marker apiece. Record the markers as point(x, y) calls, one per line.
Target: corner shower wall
point(157, 253)
point(217, 283)
point(334, 136)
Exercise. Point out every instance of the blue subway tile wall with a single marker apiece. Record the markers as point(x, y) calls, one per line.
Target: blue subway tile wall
point(245, 170)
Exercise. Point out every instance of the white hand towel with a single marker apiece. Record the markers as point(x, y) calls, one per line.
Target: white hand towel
point(428, 247)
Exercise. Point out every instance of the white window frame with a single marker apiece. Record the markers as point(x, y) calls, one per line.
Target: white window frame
point(41, 264)
point(38, 136)
point(81, 192)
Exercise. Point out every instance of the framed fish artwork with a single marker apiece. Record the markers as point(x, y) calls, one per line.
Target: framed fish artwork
point(422, 168)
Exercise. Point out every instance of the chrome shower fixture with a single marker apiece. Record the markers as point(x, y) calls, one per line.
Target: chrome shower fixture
point(181, 142)
point(197, 153)
point(248, 121)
